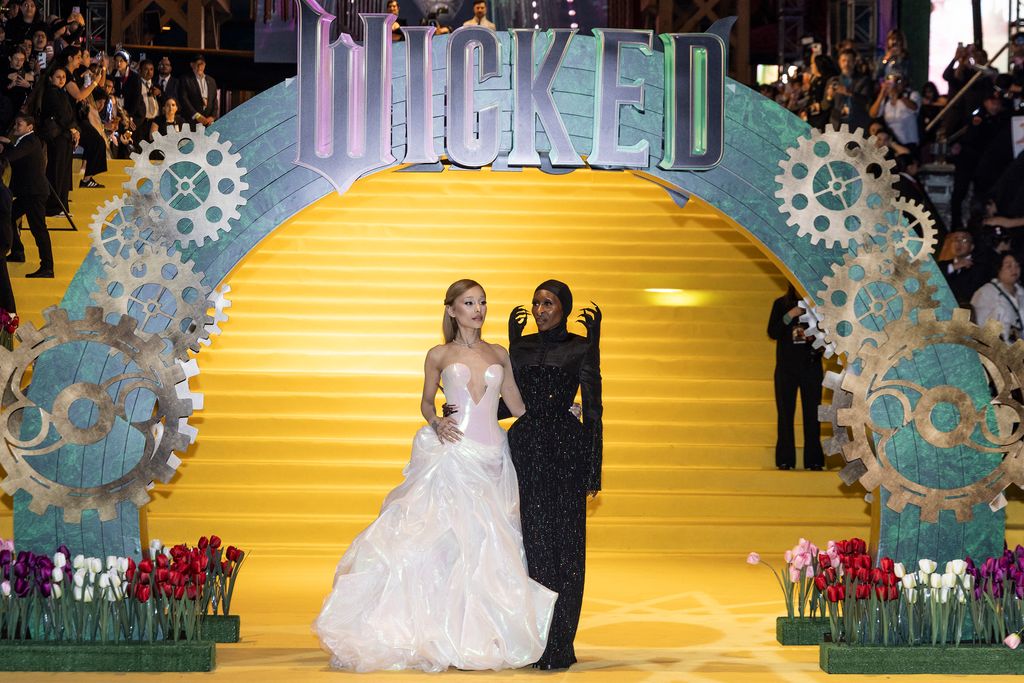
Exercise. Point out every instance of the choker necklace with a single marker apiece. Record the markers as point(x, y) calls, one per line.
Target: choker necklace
point(468, 345)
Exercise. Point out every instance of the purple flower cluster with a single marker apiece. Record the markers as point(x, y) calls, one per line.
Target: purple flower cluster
point(29, 573)
point(998, 575)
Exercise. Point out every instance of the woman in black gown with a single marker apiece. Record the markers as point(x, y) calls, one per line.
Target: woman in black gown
point(557, 459)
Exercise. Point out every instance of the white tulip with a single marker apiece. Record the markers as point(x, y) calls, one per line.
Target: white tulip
point(5, 588)
point(95, 565)
point(922, 578)
point(167, 553)
point(58, 592)
point(57, 575)
point(935, 580)
point(87, 591)
point(944, 596)
point(927, 566)
point(78, 562)
point(79, 578)
point(948, 580)
point(104, 581)
point(968, 581)
point(958, 567)
point(115, 580)
point(122, 565)
point(60, 561)
point(912, 596)
point(909, 581)
point(77, 592)
point(899, 570)
point(111, 561)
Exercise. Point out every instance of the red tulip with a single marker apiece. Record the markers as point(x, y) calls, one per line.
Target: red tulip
point(835, 593)
point(863, 591)
point(887, 564)
point(142, 592)
point(830, 574)
point(893, 593)
point(819, 581)
point(201, 578)
point(233, 553)
point(859, 546)
point(863, 575)
point(130, 573)
point(162, 561)
point(146, 566)
point(192, 592)
point(203, 542)
point(179, 592)
point(877, 575)
point(214, 542)
point(162, 575)
point(194, 568)
point(226, 568)
point(891, 580)
point(168, 589)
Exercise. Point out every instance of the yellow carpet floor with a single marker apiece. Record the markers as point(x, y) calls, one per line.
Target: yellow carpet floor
point(312, 400)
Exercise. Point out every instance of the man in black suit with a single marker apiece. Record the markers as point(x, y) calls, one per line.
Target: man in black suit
point(198, 94)
point(165, 82)
point(30, 189)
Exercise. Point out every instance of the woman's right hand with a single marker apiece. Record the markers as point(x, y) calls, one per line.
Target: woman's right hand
point(446, 430)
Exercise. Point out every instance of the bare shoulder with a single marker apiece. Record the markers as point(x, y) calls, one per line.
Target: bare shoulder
point(500, 351)
point(436, 355)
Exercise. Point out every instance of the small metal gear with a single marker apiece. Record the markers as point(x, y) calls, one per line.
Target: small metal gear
point(867, 293)
point(219, 303)
point(828, 414)
point(164, 428)
point(196, 187)
point(909, 229)
point(831, 185)
point(163, 294)
point(121, 229)
point(815, 330)
point(865, 446)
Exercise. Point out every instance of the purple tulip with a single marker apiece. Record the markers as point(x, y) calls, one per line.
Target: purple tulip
point(20, 570)
point(46, 589)
point(22, 587)
point(6, 556)
point(978, 592)
point(24, 556)
point(997, 589)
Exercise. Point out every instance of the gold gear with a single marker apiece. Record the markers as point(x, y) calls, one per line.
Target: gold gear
point(835, 186)
point(165, 429)
point(869, 292)
point(869, 462)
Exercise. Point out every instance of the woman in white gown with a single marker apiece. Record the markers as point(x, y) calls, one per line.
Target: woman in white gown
point(439, 579)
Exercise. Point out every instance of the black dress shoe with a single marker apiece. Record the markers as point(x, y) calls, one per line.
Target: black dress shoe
point(42, 272)
point(814, 468)
point(784, 467)
point(16, 258)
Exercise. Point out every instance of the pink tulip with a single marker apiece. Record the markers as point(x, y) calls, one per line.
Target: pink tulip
point(809, 571)
point(801, 561)
point(794, 574)
point(788, 556)
point(1012, 641)
point(753, 558)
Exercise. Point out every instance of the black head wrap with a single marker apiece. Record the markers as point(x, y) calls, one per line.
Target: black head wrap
point(564, 294)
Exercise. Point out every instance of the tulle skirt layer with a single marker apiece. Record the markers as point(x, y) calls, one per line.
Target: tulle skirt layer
point(439, 579)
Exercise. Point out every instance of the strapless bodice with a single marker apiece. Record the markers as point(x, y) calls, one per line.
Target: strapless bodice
point(477, 420)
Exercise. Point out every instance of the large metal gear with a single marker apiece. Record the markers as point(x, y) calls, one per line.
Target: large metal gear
point(165, 428)
point(909, 229)
point(865, 447)
point(120, 229)
point(835, 186)
point(219, 304)
point(867, 293)
point(192, 180)
point(163, 294)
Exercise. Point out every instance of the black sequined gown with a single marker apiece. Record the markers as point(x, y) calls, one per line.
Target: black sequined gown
point(558, 461)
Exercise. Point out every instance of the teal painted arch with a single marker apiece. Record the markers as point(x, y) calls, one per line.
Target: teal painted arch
point(758, 132)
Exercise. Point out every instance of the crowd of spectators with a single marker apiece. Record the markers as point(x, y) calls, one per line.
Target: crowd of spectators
point(78, 102)
point(968, 128)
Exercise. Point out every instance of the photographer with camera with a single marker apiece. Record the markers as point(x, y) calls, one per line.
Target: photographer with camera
point(897, 105)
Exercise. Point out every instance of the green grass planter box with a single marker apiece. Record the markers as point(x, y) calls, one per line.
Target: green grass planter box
point(30, 655)
point(920, 659)
point(222, 628)
point(800, 630)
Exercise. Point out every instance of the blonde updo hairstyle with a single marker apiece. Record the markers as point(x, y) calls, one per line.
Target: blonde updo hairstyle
point(448, 325)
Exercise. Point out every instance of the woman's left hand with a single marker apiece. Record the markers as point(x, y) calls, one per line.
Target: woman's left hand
point(577, 410)
point(590, 318)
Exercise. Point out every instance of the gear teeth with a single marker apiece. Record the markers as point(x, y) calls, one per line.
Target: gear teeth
point(10, 485)
point(93, 314)
point(963, 511)
point(72, 515)
point(852, 472)
point(38, 506)
point(188, 430)
point(56, 316)
point(140, 496)
point(107, 513)
point(833, 380)
point(28, 335)
point(127, 324)
point(998, 503)
point(898, 501)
